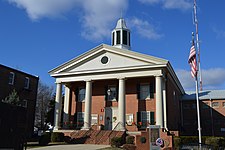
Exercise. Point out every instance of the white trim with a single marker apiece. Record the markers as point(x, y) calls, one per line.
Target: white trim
point(27, 83)
point(110, 75)
point(11, 80)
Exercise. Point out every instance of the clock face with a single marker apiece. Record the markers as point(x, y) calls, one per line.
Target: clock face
point(104, 60)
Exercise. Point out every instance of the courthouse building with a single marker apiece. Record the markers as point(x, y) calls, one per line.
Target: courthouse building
point(116, 87)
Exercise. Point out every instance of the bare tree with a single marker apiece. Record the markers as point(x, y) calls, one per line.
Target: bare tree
point(44, 97)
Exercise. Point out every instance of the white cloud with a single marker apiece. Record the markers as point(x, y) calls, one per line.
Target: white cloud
point(212, 78)
point(37, 9)
point(219, 33)
point(170, 4)
point(145, 29)
point(97, 18)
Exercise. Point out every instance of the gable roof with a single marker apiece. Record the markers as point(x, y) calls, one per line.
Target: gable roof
point(84, 63)
point(98, 49)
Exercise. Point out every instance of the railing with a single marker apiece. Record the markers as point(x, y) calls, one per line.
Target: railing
point(115, 129)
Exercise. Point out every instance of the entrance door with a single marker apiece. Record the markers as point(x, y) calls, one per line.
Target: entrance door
point(111, 117)
point(154, 132)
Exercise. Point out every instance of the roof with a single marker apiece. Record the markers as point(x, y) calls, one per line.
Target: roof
point(69, 68)
point(125, 52)
point(121, 24)
point(19, 71)
point(205, 95)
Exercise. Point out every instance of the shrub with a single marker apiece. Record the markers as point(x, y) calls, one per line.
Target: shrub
point(116, 142)
point(130, 140)
point(129, 147)
point(177, 142)
point(215, 141)
point(57, 137)
point(44, 139)
point(143, 139)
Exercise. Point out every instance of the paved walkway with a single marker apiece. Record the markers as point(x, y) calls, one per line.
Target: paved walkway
point(72, 146)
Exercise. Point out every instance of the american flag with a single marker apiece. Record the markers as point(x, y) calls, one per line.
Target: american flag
point(192, 61)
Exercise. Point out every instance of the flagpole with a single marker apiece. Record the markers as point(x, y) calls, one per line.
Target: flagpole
point(198, 113)
point(197, 43)
point(194, 73)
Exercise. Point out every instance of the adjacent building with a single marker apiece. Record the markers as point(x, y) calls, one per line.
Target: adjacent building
point(26, 87)
point(212, 113)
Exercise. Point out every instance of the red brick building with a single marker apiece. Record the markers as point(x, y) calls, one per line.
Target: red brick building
point(111, 85)
point(26, 87)
point(212, 113)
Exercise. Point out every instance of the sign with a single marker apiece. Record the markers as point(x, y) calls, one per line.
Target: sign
point(159, 142)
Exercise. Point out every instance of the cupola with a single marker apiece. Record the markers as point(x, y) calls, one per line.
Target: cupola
point(121, 35)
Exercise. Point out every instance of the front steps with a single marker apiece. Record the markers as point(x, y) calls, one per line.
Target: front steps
point(102, 137)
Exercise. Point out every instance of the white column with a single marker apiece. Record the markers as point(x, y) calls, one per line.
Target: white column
point(164, 104)
point(87, 112)
point(66, 105)
point(122, 104)
point(58, 106)
point(159, 101)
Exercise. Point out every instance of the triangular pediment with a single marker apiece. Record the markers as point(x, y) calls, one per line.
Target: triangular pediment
point(106, 57)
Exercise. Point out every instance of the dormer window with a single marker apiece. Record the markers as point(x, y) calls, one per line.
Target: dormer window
point(27, 83)
point(11, 78)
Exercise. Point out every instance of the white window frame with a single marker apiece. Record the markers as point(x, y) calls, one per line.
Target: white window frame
point(129, 119)
point(81, 96)
point(113, 93)
point(24, 103)
point(94, 119)
point(80, 119)
point(27, 83)
point(223, 104)
point(11, 78)
point(144, 94)
point(217, 106)
point(148, 118)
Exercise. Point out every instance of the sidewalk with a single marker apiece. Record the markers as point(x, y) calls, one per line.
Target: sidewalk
point(72, 146)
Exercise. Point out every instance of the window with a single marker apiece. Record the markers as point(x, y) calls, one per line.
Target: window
point(146, 118)
point(94, 119)
point(112, 93)
point(125, 37)
point(129, 38)
point(27, 83)
point(24, 103)
point(144, 91)
point(117, 37)
point(81, 94)
point(129, 119)
point(215, 104)
point(223, 104)
point(80, 119)
point(11, 78)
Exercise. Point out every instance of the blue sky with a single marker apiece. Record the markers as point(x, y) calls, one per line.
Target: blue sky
point(36, 36)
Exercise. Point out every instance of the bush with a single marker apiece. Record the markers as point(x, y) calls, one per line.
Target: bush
point(130, 140)
point(143, 139)
point(215, 141)
point(129, 147)
point(57, 137)
point(116, 142)
point(44, 139)
point(177, 142)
